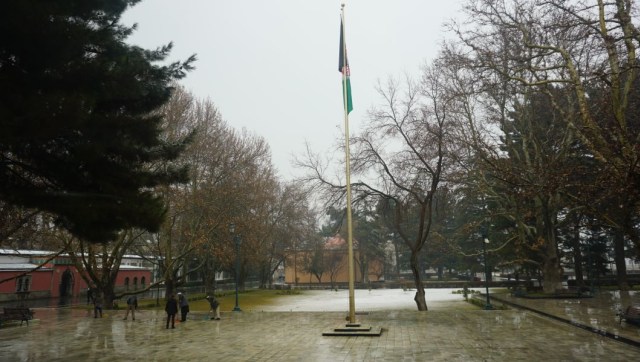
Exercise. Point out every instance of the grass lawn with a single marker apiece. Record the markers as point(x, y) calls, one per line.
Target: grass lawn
point(249, 300)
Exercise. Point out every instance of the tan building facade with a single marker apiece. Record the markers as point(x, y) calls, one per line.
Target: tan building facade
point(331, 265)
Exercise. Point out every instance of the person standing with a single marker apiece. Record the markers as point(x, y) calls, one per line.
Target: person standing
point(172, 309)
point(215, 307)
point(184, 307)
point(132, 305)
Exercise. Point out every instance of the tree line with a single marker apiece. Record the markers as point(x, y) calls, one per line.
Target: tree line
point(103, 154)
point(524, 131)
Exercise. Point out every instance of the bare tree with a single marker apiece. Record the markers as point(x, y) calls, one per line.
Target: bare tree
point(99, 264)
point(400, 157)
point(232, 180)
point(588, 47)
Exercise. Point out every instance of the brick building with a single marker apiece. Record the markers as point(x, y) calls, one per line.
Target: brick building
point(57, 277)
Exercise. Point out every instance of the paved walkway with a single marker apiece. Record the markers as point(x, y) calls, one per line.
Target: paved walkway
point(597, 314)
point(442, 334)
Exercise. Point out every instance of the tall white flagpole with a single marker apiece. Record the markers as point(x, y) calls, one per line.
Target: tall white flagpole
point(352, 302)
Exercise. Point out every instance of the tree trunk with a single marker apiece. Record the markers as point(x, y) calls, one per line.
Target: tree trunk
point(551, 269)
point(577, 254)
point(552, 272)
point(264, 277)
point(619, 257)
point(397, 252)
point(419, 298)
point(364, 274)
point(169, 287)
point(209, 277)
point(577, 265)
point(109, 297)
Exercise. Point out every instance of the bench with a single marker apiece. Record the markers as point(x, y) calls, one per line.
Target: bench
point(631, 314)
point(21, 314)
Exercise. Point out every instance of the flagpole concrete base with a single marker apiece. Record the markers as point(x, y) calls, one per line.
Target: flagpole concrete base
point(354, 329)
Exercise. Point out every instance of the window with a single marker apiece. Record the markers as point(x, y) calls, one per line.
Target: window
point(143, 282)
point(126, 283)
point(23, 284)
point(135, 283)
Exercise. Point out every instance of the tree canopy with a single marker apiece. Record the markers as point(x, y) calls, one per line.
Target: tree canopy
point(79, 134)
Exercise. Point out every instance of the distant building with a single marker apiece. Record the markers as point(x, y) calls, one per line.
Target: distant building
point(332, 260)
point(58, 277)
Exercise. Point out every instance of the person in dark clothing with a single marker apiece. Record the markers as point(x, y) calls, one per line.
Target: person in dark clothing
point(215, 307)
point(184, 306)
point(132, 305)
point(171, 308)
point(97, 304)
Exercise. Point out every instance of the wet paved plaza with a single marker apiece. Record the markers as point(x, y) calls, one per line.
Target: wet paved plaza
point(450, 331)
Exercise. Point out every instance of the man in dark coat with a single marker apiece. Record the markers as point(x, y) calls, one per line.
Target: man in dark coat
point(132, 305)
point(171, 308)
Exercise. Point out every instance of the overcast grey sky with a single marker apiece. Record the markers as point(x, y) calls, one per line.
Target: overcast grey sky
point(271, 66)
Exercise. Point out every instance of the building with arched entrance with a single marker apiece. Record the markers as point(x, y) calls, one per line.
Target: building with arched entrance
point(36, 274)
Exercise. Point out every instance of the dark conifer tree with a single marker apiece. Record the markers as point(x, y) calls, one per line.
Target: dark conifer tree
point(78, 134)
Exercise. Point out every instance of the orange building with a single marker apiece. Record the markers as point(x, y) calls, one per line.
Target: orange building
point(330, 265)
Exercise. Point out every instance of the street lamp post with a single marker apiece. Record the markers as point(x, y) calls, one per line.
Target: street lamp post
point(236, 240)
point(485, 241)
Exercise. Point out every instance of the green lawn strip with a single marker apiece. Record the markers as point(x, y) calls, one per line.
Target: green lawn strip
point(248, 300)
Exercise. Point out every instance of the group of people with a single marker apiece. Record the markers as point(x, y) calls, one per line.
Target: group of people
point(95, 297)
point(183, 304)
point(172, 309)
point(172, 306)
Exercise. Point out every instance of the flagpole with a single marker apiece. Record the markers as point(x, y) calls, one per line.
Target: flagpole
point(352, 303)
point(352, 328)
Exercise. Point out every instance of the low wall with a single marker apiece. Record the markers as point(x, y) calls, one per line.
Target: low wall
point(406, 284)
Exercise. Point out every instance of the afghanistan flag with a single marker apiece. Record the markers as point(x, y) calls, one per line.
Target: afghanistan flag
point(343, 67)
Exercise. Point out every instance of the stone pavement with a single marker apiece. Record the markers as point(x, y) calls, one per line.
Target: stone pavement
point(441, 334)
point(597, 314)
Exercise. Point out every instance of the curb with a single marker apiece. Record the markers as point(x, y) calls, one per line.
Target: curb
point(600, 332)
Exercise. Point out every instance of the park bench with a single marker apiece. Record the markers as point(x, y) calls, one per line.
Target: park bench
point(631, 314)
point(21, 314)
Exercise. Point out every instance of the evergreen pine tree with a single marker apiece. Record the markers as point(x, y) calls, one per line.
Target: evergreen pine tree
point(78, 134)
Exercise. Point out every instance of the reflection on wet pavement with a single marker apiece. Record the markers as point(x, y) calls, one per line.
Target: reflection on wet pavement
point(450, 332)
point(599, 312)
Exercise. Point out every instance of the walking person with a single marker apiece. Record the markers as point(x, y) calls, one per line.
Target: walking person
point(215, 307)
point(97, 304)
point(172, 309)
point(184, 307)
point(132, 305)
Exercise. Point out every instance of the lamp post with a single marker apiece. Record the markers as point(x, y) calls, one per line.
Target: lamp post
point(485, 241)
point(236, 240)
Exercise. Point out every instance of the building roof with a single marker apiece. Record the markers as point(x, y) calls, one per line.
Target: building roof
point(20, 267)
point(27, 252)
point(337, 242)
point(133, 267)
